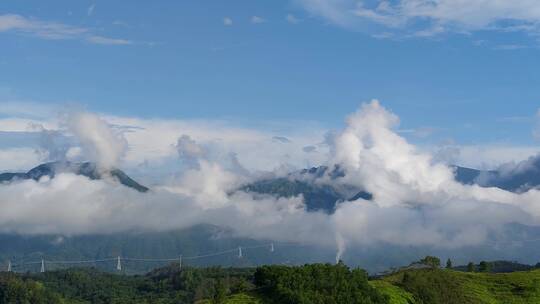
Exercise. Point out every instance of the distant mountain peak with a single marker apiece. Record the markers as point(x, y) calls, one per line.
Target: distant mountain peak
point(317, 196)
point(88, 169)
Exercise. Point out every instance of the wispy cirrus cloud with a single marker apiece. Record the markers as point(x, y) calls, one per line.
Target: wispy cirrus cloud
point(430, 18)
point(108, 41)
point(54, 30)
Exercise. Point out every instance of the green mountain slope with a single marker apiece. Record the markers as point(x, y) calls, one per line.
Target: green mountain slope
point(450, 286)
point(313, 283)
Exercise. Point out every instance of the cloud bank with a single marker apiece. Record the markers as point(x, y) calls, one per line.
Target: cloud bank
point(416, 200)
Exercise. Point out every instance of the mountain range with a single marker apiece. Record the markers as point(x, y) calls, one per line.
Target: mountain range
point(318, 196)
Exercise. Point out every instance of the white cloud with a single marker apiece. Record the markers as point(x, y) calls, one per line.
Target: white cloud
point(70, 204)
point(26, 109)
point(99, 142)
point(18, 159)
point(416, 200)
point(52, 30)
point(428, 18)
point(23, 124)
point(489, 156)
point(155, 140)
point(257, 20)
point(107, 41)
point(46, 30)
point(227, 21)
point(334, 11)
point(292, 19)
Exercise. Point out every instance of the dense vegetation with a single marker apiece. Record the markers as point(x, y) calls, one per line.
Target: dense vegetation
point(450, 286)
point(317, 283)
point(314, 283)
point(166, 285)
point(13, 289)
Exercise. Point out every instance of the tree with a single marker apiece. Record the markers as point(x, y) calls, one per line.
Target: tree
point(483, 266)
point(448, 264)
point(432, 261)
point(470, 267)
point(220, 292)
point(317, 283)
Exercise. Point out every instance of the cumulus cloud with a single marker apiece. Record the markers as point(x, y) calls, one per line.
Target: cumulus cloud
point(53, 145)
point(154, 141)
point(428, 18)
point(415, 199)
point(188, 148)
point(189, 151)
point(99, 142)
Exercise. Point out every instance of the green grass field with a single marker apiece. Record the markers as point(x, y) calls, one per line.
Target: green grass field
point(448, 286)
point(396, 294)
point(242, 298)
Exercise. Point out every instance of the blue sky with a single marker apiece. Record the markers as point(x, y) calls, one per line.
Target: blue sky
point(195, 98)
point(472, 79)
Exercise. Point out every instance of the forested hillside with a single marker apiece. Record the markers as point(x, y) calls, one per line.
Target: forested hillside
point(312, 283)
point(317, 283)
